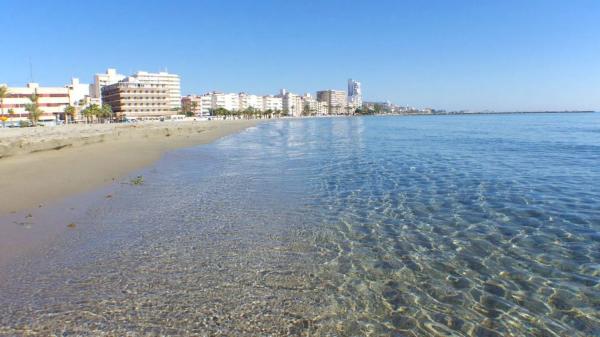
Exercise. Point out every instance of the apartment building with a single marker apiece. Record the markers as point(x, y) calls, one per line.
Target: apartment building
point(160, 79)
point(206, 105)
point(230, 101)
point(313, 106)
point(78, 92)
point(335, 99)
point(272, 103)
point(101, 80)
point(193, 103)
point(200, 105)
point(51, 101)
point(292, 104)
point(132, 99)
point(250, 101)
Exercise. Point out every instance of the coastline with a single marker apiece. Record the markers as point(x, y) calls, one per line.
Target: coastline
point(40, 165)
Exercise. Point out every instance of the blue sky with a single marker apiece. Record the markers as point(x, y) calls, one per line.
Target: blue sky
point(499, 55)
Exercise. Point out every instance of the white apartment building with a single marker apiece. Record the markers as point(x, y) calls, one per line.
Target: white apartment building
point(292, 104)
point(230, 102)
point(206, 105)
point(101, 80)
point(272, 103)
point(51, 100)
point(78, 91)
point(250, 101)
point(170, 81)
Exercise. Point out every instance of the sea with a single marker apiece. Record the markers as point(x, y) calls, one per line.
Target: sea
point(466, 225)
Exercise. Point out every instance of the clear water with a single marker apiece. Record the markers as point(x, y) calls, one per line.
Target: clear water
point(375, 226)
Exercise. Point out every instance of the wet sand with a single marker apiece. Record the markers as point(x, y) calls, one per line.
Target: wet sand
point(38, 165)
point(48, 171)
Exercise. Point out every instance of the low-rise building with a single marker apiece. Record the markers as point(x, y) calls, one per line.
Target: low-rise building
point(193, 103)
point(52, 102)
point(131, 99)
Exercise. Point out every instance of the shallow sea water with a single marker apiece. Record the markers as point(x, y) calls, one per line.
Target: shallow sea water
point(372, 226)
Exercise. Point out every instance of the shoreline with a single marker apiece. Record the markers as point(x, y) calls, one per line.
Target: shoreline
point(42, 165)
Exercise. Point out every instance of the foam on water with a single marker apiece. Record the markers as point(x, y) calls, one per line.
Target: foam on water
point(399, 226)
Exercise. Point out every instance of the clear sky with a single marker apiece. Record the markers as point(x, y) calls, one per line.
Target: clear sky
point(499, 55)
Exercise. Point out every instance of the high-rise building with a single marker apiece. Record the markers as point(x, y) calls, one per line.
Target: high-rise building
point(170, 81)
point(101, 80)
point(335, 100)
point(354, 94)
point(130, 98)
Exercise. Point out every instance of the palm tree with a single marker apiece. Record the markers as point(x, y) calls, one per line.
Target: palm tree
point(90, 112)
point(11, 113)
point(86, 113)
point(193, 110)
point(221, 112)
point(34, 112)
point(248, 112)
point(69, 112)
point(3, 95)
point(34, 109)
point(34, 97)
point(106, 111)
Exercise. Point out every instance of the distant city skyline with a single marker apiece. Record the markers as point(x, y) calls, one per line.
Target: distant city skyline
point(459, 55)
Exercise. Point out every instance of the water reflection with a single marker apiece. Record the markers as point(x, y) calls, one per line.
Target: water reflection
point(420, 226)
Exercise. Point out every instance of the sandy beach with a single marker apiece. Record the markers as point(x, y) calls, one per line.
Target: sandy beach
point(44, 164)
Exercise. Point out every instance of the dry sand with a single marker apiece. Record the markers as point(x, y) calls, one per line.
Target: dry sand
point(43, 164)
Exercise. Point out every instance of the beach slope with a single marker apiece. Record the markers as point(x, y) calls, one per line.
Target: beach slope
point(39, 165)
